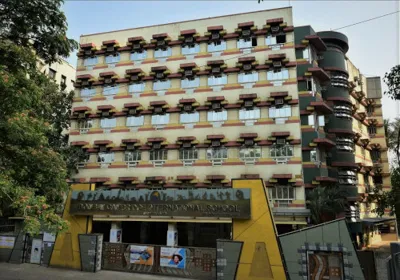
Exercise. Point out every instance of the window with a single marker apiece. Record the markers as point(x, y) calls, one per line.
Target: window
point(248, 77)
point(216, 46)
point(160, 119)
point(86, 92)
point(314, 155)
point(282, 195)
point(190, 83)
point(213, 116)
point(160, 85)
point(85, 125)
point(282, 112)
point(249, 114)
point(215, 80)
point(158, 155)
point(366, 181)
point(320, 121)
point(108, 123)
point(134, 121)
point(160, 53)
point(339, 80)
point(370, 109)
point(133, 156)
point(188, 50)
point(249, 153)
point(113, 58)
point(244, 43)
point(281, 74)
point(138, 55)
point(347, 177)
point(136, 87)
point(217, 153)
point(52, 73)
point(273, 40)
point(105, 157)
point(90, 61)
point(372, 129)
point(342, 111)
point(188, 154)
point(63, 81)
point(375, 155)
point(190, 117)
point(278, 151)
point(311, 85)
point(344, 144)
point(110, 90)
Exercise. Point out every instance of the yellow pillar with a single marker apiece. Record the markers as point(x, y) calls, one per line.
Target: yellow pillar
point(260, 257)
point(66, 248)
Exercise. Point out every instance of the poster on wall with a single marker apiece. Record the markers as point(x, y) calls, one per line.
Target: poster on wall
point(116, 236)
point(173, 257)
point(325, 265)
point(36, 252)
point(141, 254)
point(7, 242)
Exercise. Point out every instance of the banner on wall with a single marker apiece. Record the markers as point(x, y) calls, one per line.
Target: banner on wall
point(173, 257)
point(7, 242)
point(141, 254)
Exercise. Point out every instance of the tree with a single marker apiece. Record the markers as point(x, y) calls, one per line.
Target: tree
point(325, 203)
point(34, 156)
point(392, 80)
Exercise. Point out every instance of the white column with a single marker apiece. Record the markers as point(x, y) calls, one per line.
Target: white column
point(172, 235)
point(116, 232)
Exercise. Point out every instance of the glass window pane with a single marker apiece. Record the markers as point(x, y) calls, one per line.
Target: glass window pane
point(160, 85)
point(215, 81)
point(186, 83)
point(90, 61)
point(190, 118)
point(162, 53)
point(270, 40)
point(105, 157)
point(160, 119)
point(135, 121)
point(244, 43)
point(113, 58)
point(187, 50)
point(86, 92)
point(216, 46)
point(136, 87)
point(110, 90)
point(213, 116)
point(139, 55)
point(108, 123)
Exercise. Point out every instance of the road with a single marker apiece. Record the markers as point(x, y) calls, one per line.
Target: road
point(35, 272)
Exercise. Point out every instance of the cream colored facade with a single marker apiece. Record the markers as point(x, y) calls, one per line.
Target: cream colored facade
point(61, 69)
point(367, 93)
point(233, 167)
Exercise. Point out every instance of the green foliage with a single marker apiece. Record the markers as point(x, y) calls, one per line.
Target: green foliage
point(325, 203)
point(35, 160)
point(392, 80)
point(37, 24)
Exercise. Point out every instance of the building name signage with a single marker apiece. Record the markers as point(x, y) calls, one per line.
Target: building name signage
point(220, 203)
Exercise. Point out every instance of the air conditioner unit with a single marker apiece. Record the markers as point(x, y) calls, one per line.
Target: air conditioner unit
point(108, 81)
point(189, 73)
point(215, 143)
point(81, 115)
point(110, 49)
point(161, 43)
point(132, 112)
point(277, 64)
point(105, 113)
point(216, 106)
point(160, 75)
point(189, 40)
point(249, 142)
point(85, 83)
point(216, 70)
point(130, 146)
point(248, 103)
point(247, 67)
point(279, 101)
point(281, 141)
point(136, 46)
point(275, 29)
point(88, 52)
point(158, 110)
point(134, 78)
point(157, 145)
point(102, 148)
point(187, 107)
point(246, 32)
point(186, 145)
point(215, 36)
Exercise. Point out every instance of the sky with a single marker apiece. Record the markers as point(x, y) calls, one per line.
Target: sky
point(374, 45)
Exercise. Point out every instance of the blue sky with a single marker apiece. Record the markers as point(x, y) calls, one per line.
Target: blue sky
point(373, 45)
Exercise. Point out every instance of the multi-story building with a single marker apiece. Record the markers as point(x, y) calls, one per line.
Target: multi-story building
point(62, 72)
point(195, 104)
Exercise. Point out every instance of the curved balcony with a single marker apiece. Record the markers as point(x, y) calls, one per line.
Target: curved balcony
point(343, 159)
point(339, 123)
point(335, 38)
point(333, 58)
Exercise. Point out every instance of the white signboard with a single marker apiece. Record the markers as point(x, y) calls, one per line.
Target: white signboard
point(7, 242)
point(49, 237)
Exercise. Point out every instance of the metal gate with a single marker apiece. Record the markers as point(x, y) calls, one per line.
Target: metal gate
point(367, 263)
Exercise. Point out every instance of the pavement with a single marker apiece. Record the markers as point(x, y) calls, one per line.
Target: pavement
point(28, 271)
